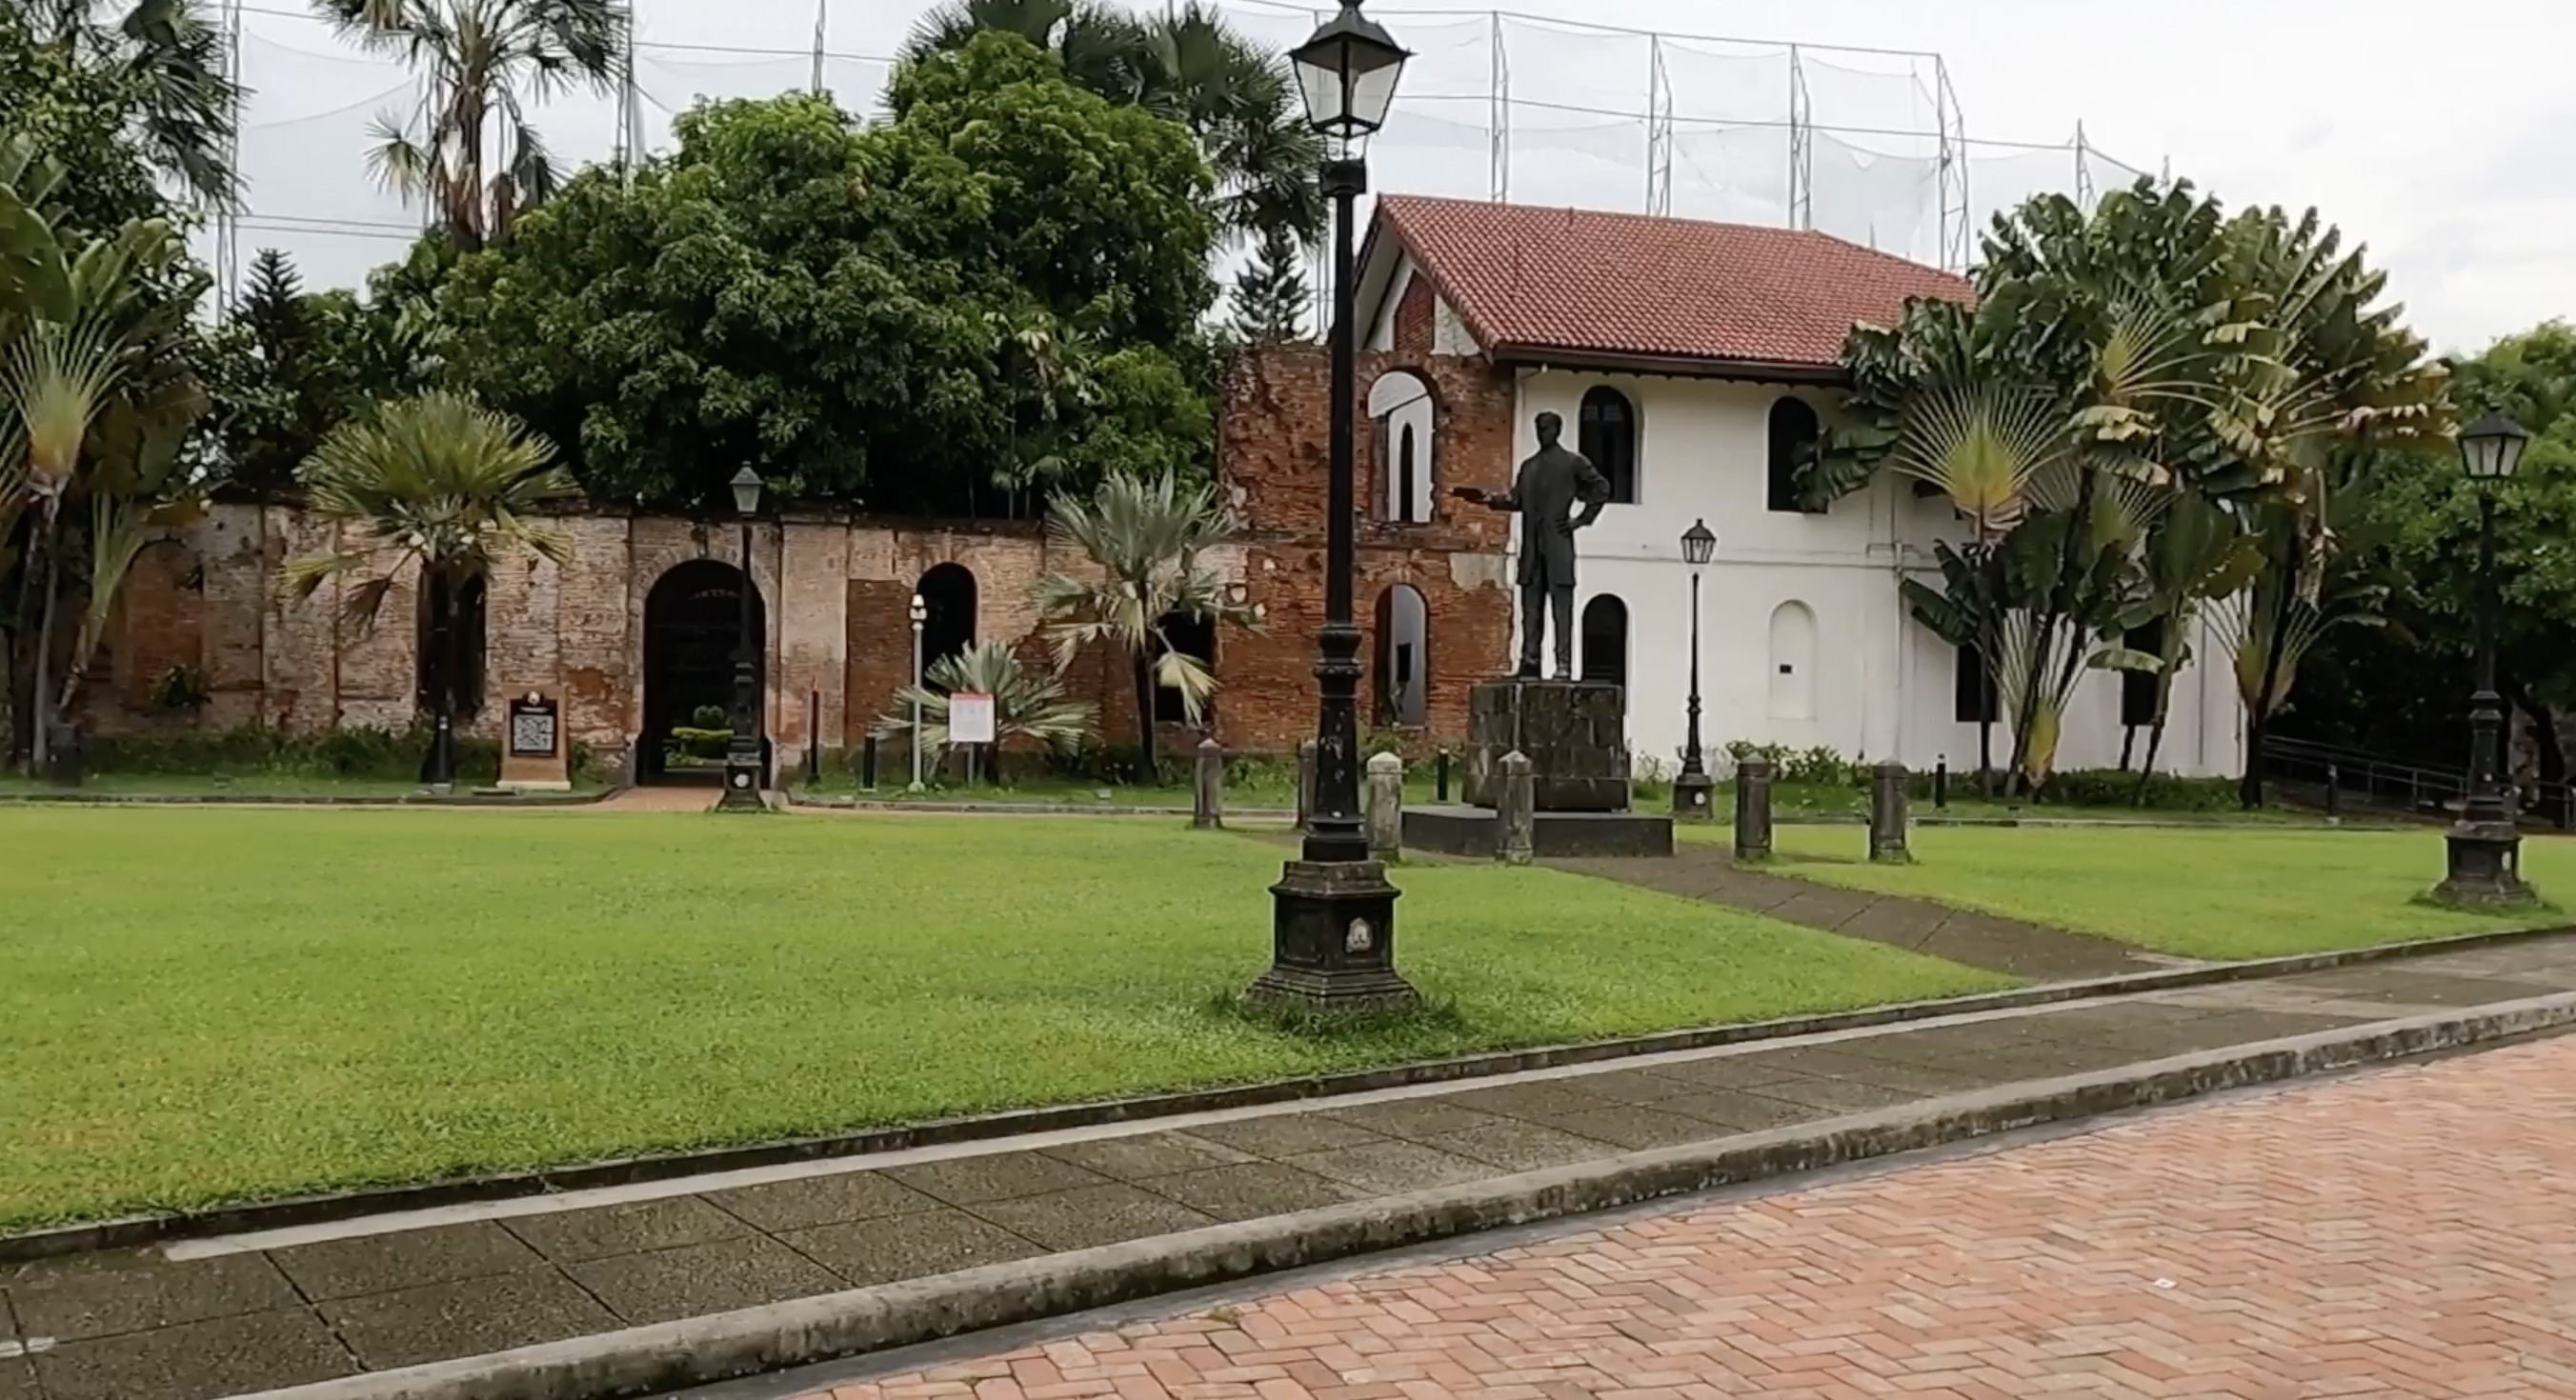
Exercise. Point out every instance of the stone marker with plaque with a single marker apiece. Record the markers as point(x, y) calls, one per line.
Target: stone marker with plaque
point(534, 754)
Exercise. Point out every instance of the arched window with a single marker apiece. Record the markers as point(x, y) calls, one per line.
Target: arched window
point(1401, 406)
point(1190, 636)
point(948, 600)
point(1793, 661)
point(1794, 434)
point(1605, 640)
point(1606, 434)
point(1403, 657)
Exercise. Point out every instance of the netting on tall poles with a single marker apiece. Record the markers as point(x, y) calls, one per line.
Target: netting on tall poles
point(1866, 144)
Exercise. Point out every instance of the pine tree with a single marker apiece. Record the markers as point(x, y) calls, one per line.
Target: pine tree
point(1270, 295)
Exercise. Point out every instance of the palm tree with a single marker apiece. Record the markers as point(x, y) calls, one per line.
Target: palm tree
point(474, 159)
point(1190, 65)
point(169, 65)
point(1027, 704)
point(1146, 540)
point(80, 330)
point(439, 483)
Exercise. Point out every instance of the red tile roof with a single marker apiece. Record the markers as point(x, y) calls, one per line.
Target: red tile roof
point(1531, 280)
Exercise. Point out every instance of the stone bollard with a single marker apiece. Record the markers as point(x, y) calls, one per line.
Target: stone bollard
point(1207, 792)
point(1887, 813)
point(1305, 782)
point(1385, 807)
point(1753, 809)
point(1516, 820)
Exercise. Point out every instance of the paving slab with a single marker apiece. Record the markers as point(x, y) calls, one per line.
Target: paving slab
point(697, 1279)
point(1513, 1146)
point(966, 1181)
point(626, 1229)
point(1251, 1190)
point(1391, 1168)
point(1092, 1215)
point(909, 1246)
point(18, 1379)
point(1745, 1111)
point(819, 1200)
point(197, 1360)
point(1630, 1126)
point(465, 1318)
point(382, 1263)
point(1148, 1155)
point(99, 1295)
point(1414, 1119)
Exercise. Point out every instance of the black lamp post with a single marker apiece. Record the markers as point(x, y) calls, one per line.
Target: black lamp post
point(743, 771)
point(1691, 789)
point(1333, 912)
point(2485, 844)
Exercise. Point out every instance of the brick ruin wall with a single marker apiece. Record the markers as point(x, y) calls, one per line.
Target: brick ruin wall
point(839, 588)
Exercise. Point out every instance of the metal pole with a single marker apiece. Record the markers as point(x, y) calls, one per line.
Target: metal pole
point(916, 704)
point(2487, 799)
point(1333, 830)
point(1691, 788)
point(745, 775)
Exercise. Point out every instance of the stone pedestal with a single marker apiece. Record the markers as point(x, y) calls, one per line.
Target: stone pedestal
point(2485, 866)
point(1333, 940)
point(1574, 732)
point(534, 754)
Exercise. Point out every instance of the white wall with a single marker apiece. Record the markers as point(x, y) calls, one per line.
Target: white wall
point(1883, 683)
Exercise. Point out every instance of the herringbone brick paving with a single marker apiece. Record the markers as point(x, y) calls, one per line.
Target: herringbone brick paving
point(2411, 1232)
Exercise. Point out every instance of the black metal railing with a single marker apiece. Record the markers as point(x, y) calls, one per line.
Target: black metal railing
point(2350, 777)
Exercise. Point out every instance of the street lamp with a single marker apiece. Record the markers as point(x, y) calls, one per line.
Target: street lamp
point(2485, 844)
point(1333, 912)
point(744, 773)
point(920, 615)
point(1691, 789)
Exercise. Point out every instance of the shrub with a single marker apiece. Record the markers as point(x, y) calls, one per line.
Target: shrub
point(352, 751)
point(182, 687)
point(2113, 787)
point(1820, 766)
point(688, 742)
point(711, 717)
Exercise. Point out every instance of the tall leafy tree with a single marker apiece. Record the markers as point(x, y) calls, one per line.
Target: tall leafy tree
point(438, 485)
point(475, 160)
point(994, 296)
point(1237, 98)
point(150, 75)
point(1147, 542)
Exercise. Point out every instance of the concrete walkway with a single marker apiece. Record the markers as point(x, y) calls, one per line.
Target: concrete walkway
point(2031, 951)
point(208, 1318)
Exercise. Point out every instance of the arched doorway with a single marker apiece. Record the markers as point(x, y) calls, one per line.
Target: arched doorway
point(1605, 640)
point(692, 626)
point(948, 607)
point(1793, 661)
point(1403, 657)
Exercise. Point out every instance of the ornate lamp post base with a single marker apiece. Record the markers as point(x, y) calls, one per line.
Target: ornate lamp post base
point(742, 777)
point(2485, 869)
point(1332, 940)
point(1691, 795)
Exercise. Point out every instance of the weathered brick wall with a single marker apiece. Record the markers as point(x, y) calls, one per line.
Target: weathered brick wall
point(836, 592)
point(1274, 446)
point(1414, 312)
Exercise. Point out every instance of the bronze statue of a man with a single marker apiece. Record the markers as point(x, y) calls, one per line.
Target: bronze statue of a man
point(1548, 486)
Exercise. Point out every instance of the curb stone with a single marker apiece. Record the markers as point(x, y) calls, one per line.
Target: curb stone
point(725, 1346)
point(130, 1232)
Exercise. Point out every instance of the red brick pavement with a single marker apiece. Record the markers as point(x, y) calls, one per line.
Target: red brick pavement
point(2412, 1233)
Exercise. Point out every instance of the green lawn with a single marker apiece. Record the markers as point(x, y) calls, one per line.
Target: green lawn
point(2200, 894)
point(239, 785)
point(207, 1005)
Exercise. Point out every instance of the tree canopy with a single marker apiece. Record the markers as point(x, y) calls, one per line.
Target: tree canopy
point(992, 295)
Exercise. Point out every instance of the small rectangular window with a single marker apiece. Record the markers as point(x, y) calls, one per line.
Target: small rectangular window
point(1973, 698)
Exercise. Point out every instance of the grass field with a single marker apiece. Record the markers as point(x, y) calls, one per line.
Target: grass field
point(2200, 894)
point(206, 1006)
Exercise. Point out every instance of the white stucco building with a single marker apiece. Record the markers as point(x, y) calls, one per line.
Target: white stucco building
point(1686, 360)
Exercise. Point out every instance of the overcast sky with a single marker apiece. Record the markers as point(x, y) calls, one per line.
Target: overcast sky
point(2452, 152)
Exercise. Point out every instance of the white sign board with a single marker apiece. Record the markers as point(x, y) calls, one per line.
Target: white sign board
point(970, 718)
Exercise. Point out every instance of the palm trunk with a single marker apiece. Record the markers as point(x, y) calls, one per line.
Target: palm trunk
point(2249, 790)
point(21, 694)
point(2060, 604)
point(1985, 754)
point(1144, 678)
point(2128, 745)
point(40, 749)
point(438, 766)
point(2545, 747)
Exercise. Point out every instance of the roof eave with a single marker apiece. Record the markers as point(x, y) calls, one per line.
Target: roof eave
point(1671, 366)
